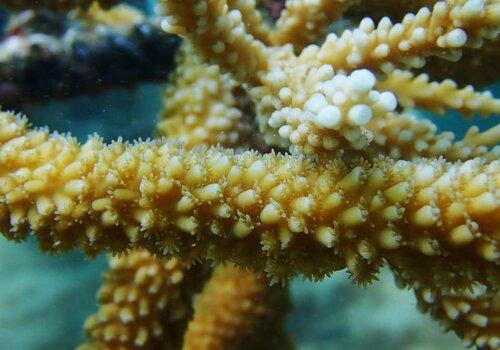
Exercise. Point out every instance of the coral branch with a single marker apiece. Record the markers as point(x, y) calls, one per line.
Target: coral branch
point(221, 35)
point(252, 19)
point(282, 213)
point(450, 26)
point(200, 108)
point(406, 136)
point(304, 21)
point(228, 308)
point(474, 315)
point(417, 91)
point(145, 303)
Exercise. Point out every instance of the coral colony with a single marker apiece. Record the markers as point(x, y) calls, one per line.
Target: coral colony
point(282, 151)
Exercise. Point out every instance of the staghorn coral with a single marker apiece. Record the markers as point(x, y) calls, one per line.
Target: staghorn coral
point(145, 303)
point(432, 220)
point(200, 107)
point(302, 101)
point(418, 91)
point(473, 315)
point(157, 196)
point(303, 21)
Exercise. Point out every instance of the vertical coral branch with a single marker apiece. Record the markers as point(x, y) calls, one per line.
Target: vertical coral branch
point(145, 303)
point(227, 310)
point(218, 33)
point(305, 21)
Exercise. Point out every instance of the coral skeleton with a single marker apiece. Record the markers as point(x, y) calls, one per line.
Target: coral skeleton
point(344, 177)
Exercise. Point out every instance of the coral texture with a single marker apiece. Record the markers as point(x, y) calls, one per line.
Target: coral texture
point(145, 303)
point(200, 107)
point(474, 315)
point(286, 214)
point(230, 304)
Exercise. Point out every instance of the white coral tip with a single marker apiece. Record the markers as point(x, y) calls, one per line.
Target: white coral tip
point(315, 103)
point(361, 81)
point(359, 114)
point(388, 101)
point(328, 117)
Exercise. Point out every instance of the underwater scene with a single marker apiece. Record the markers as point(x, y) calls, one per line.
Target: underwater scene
point(249, 174)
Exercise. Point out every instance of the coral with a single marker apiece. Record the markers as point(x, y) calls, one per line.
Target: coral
point(200, 107)
point(364, 184)
point(312, 217)
point(145, 303)
point(303, 22)
point(302, 101)
point(474, 315)
point(230, 305)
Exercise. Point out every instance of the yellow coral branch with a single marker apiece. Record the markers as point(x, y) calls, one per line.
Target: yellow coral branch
point(474, 315)
point(220, 36)
point(145, 303)
point(394, 9)
point(446, 29)
point(283, 213)
point(252, 18)
point(304, 21)
point(200, 108)
point(410, 137)
point(227, 309)
point(417, 91)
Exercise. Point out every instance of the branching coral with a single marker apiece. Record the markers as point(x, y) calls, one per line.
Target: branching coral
point(474, 315)
point(200, 107)
point(228, 308)
point(145, 303)
point(302, 100)
point(312, 217)
point(364, 184)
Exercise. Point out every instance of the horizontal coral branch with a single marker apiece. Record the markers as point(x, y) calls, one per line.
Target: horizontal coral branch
point(442, 31)
point(286, 214)
point(416, 91)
